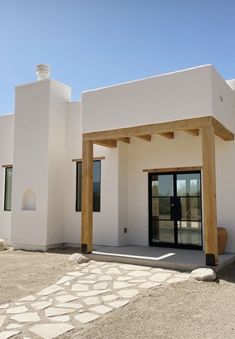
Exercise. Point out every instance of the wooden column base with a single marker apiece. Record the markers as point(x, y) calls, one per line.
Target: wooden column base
point(211, 259)
point(84, 249)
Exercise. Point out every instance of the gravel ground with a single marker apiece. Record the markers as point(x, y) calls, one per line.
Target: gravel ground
point(23, 273)
point(186, 310)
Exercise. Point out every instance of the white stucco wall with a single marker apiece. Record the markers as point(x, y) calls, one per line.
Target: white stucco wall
point(173, 96)
point(105, 225)
point(29, 228)
point(39, 163)
point(223, 100)
point(6, 158)
point(60, 95)
point(123, 192)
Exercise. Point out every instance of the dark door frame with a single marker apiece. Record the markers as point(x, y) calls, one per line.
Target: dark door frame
point(175, 244)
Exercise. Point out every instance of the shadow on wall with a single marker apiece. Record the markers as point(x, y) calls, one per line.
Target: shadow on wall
point(29, 200)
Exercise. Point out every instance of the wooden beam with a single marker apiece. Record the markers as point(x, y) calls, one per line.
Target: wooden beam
point(7, 166)
point(87, 196)
point(127, 140)
point(95, 158)
point(168, 135)
point(106, 143)
point(142, 130)
point(193, 132)
point(209, 195)
point(145, 137)
point(221, 131)
point(174, 169)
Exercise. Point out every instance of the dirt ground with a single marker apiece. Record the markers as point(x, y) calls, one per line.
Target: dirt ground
point(186, 310)
point(23, 273)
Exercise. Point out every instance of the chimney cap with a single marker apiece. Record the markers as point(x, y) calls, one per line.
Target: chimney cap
point(42, 71)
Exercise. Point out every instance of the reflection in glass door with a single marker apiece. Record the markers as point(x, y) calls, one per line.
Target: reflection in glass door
point(175, 217)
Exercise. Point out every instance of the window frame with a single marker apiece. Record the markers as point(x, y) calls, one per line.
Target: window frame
point(79, 194)
point(6, 208)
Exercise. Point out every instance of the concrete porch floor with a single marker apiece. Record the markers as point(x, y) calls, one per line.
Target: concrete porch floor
point(170, 258)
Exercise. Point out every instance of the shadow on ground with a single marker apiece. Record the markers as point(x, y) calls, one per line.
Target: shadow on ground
point(65, 250)
point(227, 273)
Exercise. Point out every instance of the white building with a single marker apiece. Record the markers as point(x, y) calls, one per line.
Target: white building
point(154, 175)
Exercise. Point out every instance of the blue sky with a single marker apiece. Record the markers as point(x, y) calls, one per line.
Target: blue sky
point(95, 43)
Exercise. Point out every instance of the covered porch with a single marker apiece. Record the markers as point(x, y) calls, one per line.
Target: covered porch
point(208, 127)
point(167, 258)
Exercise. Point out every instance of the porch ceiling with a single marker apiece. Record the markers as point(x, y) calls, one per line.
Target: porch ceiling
point(192, 126)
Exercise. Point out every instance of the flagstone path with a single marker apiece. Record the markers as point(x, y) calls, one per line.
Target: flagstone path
point(80, 297)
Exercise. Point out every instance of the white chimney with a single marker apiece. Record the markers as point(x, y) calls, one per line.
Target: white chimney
point(43, 71)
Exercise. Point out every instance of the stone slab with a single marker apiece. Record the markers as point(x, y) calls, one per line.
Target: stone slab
point(41, 305)
point(28, 298)
point(18, 309)
point(91, 300)
point(100, 286)
point(61, 318)
point(65, 298)
point(26, 317)
point(80, 287)
point(8, 334)
point(54, 311)
point(86, 317)
point(128, 293)
point(2, 319)
point(118, 303)
point(13, 326)
point(101, 309)
point(50, 331)
point(65, 279)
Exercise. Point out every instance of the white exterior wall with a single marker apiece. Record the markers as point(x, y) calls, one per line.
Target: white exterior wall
point(39, 164)
point(29, 228)
point(6, 158)
point(168, 97)
point(60, 95)
point(223, 110)
point(105, 225)
point(123, 192)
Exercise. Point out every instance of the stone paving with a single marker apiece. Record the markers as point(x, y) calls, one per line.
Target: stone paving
point(80, 297)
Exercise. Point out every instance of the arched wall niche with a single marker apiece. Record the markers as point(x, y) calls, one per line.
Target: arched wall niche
point(29, 200)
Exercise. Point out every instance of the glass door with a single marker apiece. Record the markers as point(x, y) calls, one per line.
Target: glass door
point(189, 226)
point(175, 217)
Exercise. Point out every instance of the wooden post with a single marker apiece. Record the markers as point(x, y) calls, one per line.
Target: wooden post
point(87, 196)
point(209, 195)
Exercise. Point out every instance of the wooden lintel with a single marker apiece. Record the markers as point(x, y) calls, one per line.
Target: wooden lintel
point(167, 135)
point(127, 140)
point(209, 195)
point(7, 166)
point(221, 131)
point(193, 132)
point(106, 143)
point(174, 169)
point(87, 197)
point(142, 130)
point(146, 137)
point(95, 158)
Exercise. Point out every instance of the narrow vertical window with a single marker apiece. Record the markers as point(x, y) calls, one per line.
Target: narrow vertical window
point(79, 187)
point(8, 188)
point(96, 186)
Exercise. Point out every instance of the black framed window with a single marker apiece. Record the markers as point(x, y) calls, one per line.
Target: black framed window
point(96, 186)
point(8, 189)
